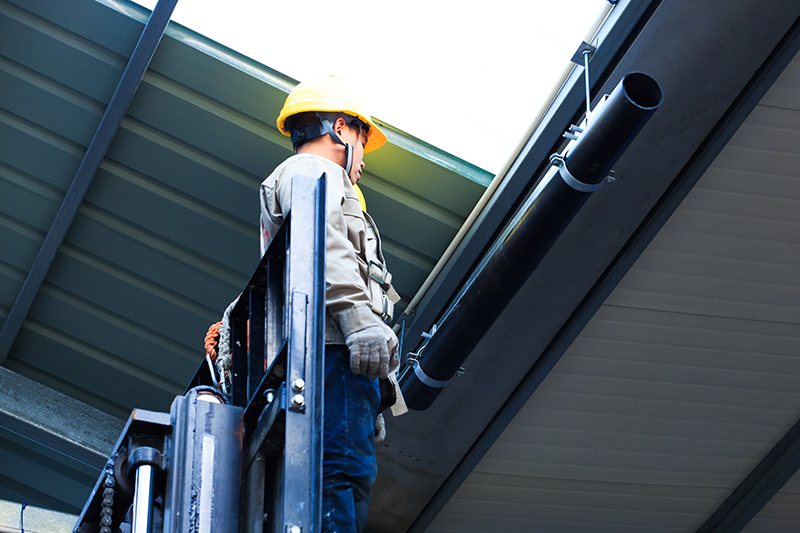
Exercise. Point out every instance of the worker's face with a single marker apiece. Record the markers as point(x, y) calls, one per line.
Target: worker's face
point(358, 140)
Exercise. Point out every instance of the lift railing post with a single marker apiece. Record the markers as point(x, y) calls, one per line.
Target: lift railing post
point(280, 384)
point(302, 506)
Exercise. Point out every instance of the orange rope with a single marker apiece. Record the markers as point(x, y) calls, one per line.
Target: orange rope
point(212, 340)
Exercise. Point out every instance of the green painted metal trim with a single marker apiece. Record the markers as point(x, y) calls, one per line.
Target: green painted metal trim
point(440, 157)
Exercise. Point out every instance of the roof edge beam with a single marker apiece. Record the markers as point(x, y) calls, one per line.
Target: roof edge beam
point(758, 488)
point(98, 147)
point(54, 420)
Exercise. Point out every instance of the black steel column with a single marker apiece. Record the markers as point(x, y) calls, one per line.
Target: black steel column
point(98, 147)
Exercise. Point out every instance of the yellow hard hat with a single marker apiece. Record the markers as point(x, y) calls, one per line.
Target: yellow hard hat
point(329, 94)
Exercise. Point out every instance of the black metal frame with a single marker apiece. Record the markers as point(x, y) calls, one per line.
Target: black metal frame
point(279, 380)
point(272, 434)
point(194, 452)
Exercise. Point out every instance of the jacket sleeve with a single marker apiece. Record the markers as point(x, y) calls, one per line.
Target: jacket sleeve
point(346, 295)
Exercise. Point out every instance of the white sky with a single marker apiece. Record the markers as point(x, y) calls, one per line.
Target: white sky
point(469, 77)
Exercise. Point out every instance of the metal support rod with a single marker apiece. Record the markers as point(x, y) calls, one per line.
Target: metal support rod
point(143, 500)
point(586, 54)
point(98, 147)
point(522, 245)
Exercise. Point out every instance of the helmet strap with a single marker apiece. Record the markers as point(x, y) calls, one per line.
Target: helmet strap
point(328, 127)
point(312, 131)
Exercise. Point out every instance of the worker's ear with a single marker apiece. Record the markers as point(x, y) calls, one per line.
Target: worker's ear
point(339, 125)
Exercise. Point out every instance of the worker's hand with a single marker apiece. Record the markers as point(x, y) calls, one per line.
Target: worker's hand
point(369, 352)
point(380, 429)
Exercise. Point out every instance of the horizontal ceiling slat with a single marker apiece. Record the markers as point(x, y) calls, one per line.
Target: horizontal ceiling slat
point(106, 331)
point(171, 252)
point(111, 386)
point(61, 110)
point(426, 179)
point(198, 172)
point(152, 205)
point(248, 87)
point(93, 22)
point(58, 54)
point(38, 152)
point(543, 504)
point(209, 125)
point(130, 295)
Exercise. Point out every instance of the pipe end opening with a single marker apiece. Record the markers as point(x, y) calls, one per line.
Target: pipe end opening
point(642, 90)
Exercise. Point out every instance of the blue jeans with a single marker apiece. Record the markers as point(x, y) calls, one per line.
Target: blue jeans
point(348, 458)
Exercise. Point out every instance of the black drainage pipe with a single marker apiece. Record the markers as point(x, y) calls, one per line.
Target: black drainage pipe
point(583, 166)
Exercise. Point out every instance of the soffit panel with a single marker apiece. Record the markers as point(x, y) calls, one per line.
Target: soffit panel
point(684, 379)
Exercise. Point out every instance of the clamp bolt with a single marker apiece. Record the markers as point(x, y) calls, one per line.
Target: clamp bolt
point(293, 529)
point(298, 385)
point(269, 395)
point(298, 401)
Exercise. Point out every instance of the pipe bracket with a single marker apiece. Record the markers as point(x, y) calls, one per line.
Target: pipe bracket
point(425, 378)
point(558, 161)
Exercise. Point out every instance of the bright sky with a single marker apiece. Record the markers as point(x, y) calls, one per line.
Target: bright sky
point(469, 77)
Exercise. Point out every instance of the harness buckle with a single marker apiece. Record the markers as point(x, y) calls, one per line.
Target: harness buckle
point(385, 314)
point(382, 279)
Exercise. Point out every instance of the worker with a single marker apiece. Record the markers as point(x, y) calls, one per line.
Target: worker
point(331, 131)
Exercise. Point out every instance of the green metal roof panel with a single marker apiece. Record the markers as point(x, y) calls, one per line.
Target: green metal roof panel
point(167, 234)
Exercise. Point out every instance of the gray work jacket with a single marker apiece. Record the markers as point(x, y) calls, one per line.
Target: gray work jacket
point(358, 291)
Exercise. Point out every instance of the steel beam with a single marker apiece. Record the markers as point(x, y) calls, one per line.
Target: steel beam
point(56, 421)
point(98, 147)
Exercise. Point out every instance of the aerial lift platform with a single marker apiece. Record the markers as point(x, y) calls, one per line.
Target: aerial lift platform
point(245, 456)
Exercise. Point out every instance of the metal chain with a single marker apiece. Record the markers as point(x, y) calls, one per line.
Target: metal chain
point(107, 511)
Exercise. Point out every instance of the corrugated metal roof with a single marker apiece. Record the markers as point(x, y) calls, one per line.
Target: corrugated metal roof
point(684, 379)
point(167, 234)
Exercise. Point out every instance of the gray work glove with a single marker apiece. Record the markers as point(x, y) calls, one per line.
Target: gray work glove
point(369, 352)
point(380, 429)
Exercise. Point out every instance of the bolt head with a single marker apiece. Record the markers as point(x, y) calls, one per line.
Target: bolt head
point(298, 385)
point(298, 400)
point(269, 396)
point(294, 529)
